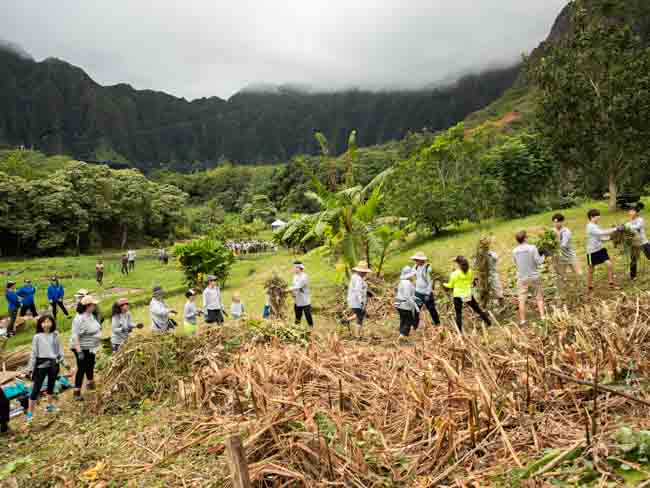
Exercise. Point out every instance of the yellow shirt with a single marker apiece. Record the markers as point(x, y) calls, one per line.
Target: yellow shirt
point(461, 283)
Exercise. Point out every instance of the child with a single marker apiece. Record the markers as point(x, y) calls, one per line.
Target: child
point(99, 272)
point(460, 282)
point(405, 303)
point(212, 307)
point(637, 225)
point(190, 313)
point(528, 260)
point(121, 324)
point(13, 304)
point(596, 252)
point(46, 355)
point(568, 258)
point(237, 307)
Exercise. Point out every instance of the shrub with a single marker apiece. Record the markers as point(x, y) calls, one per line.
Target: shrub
point(203, 257)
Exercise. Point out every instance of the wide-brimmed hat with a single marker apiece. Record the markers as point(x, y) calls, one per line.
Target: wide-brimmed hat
point(89, 300)
point(362, 267)
point(122, 301)
point(407, 273)
point(299, 264)
point(419, 256)
point(81, 293)
point(28, 280)
point(212, 278)
point(157, 290)
point(10, 283)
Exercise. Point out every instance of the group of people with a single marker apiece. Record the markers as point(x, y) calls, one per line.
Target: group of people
point(250, 247)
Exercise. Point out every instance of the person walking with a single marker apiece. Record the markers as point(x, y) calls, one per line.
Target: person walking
point(121, 324)
point(358, 294)
point(84, 342)
point(301, 294)
point(130, 254)
point(13, 305)
point(596, 252)
point(124, 265)
point(424, 287)
point(460, 283)
point(99, 272)
point(159, 312)
point(528, 260)
point(27, 294)
point(47, 353)
point(567, 259)
point(637, 225)
point(237, 310)
point(212, 306)
point(190, 314)
point(406, 303)
point(55, 295)
point(494, 280)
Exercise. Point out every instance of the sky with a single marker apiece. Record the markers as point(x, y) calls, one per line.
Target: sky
point(202, 48)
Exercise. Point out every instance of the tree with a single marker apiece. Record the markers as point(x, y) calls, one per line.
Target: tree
point(203, 257)
point(593, 101)
point(259, 208)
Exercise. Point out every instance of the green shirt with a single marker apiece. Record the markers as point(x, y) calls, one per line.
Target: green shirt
point(461, 283)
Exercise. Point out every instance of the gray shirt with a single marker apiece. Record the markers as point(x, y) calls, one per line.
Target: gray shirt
point(567, 251)
point(300, 290)
point(121, 326)
point(595, 236)
point(159, 315)
point(212, 299)
point(423, 280)
point(190, 312)
point(638, 226)
point(87, 330)
point(405, 297)
point(528, 260)
point(357, 292)
point(493, 259)
point(45, 346)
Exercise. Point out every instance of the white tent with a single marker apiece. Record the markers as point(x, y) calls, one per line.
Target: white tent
point(278, 224)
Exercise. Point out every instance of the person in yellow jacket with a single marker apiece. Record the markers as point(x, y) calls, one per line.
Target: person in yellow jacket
point(460, 283)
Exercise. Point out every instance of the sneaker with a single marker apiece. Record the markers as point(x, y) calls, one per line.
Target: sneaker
point(51, 409)
point(29, 417)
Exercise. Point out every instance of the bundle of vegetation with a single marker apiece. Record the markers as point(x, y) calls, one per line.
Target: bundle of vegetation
point(482, 270)
point(548, 243)
point(268, 331)
point(202, 257)
point(277, 290)
point(626, 240)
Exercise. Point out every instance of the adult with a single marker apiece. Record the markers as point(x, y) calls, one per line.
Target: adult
point(79, 296)
point(301, 294)
point(637, 225)
point(124, 265)
point(84, 342)
point(13, 305)
point(567, 258)
point(190, 314)
point(358, 294)
point(405, 302)
point(596, 252)
point(47, 353)
point(55, 295)
point(121, 323)
point(160, 312)
point(460, 283)
point(212, 305)
point(528, 260)
point(27, 294)
point(424, 287)
point(99, 272)
point(130, 254)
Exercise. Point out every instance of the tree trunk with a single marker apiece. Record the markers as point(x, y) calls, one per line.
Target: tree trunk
point(613, 191)
point(124, 235)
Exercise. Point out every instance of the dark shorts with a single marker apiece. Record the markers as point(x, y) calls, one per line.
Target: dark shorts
point(360, 315)
point(598, 257)
point(214, 316)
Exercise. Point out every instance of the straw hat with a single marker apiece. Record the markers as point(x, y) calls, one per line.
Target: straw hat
point(89, 300)
point(81, 293)
point(362, 267)
point(407, 273)
point(419, 256)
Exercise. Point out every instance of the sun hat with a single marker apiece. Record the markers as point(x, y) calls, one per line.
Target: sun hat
point(81, 293)
point(212, 278)
point(157, 290)
point(407, 273)
point(299, 265)
point(362, 267)
point(122, 301)
point(10, 283)
point(89, 300)
point(419, 256)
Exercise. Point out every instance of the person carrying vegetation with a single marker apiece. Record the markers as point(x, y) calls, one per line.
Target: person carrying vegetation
point(494, 280)
point(13, 305)
point(301, 294)
point(567, 258)
point(358, 294)
point(27, 294)
point(55, 295)
point(460, 283)
point(424, 287)
point(121, 324)
point(85, 337)
point(528, 260)
point(47, 353)
point(406, 303)
point(124, 265)
point(596, 252)
point(236, 307)
point(637, 225)
point(99, 272)
point(130, 254)
point(190, 314)
point(159, 312)
point(212, 306)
